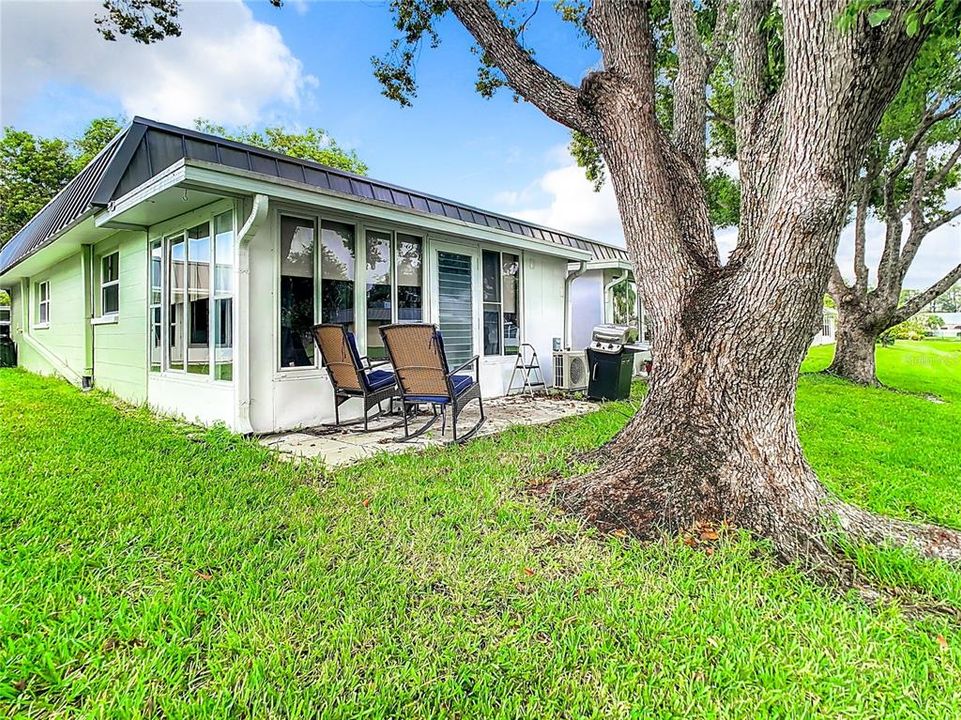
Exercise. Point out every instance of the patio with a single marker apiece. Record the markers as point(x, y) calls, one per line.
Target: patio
point(338, 447)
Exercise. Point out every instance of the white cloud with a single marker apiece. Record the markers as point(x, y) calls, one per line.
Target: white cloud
point(226, 66)
point(564, 199)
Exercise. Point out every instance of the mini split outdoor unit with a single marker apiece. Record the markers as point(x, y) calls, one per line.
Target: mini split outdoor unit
point(570, 370)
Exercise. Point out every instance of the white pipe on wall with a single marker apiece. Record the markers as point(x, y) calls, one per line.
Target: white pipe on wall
point(258, 214)
point(571, 277)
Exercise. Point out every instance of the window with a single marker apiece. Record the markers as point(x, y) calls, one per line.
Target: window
point(379, 295)
point(156, 303)
point(337, 274)
point(43, 303)
point(625, 305)
point(224, 296)
point(501, 275)
point(297, 246)
point(4, 321)
point(394, 284)
point(191, 300)
point(110, 284)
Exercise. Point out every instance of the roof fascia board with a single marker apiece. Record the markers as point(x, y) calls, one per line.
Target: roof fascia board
point(47, 243)
point(609, 265)
point(166, 179)
point(214, 176)
point(118, 165)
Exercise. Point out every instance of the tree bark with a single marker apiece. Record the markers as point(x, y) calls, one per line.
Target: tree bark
point(715, 440)
point(854, 346)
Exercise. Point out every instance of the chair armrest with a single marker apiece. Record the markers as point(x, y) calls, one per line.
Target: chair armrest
point(473, 361)
point(372, 365)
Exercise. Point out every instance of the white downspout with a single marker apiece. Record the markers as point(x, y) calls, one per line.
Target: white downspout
point(608, 300)
point(258, 214)
point(59, 366)
point(571, 277)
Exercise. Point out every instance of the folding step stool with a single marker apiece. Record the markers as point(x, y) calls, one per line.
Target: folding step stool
point(529, 368)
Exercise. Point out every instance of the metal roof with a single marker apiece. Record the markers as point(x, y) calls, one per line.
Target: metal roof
point(147, 147)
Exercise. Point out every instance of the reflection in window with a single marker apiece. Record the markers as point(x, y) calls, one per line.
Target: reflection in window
point(410, 278)
point(337, 273)
point(198, 299)
point(156, 287)
point(176, 313)
point(297, 242)
point(223, 296)
point(110, 284)
point(43, 302)
point(501, 273)
point(379, 310)
point(510, 290)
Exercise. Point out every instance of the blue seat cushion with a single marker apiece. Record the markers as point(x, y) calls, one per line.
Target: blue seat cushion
point(378, 379)
point(460, 382)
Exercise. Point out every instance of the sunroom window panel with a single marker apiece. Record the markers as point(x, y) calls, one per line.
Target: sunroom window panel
point(297, 248)
point(156, 290)
point(510, 266)
point(379, 301)
point(223, 296)
point(410, 278)
point(176, 302)
point(490, 263)
point(198, 298)
point(337, 265)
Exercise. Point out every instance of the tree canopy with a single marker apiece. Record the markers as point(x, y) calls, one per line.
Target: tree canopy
point(311, 144)
point(33, 169)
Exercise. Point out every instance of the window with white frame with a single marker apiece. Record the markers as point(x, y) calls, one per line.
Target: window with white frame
point(43, 303)
point(110, 284)
point(501, 278)
point(395, 290)
point(191, 292)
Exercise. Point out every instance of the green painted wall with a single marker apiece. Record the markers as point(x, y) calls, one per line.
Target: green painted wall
point(64, 339)
point(120, 350)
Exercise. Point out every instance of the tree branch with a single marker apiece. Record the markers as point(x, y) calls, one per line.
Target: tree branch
point(690, 86)
point(555, 98)
point(930, 117)
point(917, 303)
point(941, 174)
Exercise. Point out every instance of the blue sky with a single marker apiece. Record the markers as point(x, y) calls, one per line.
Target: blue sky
point(498, 154)
point(308, 64)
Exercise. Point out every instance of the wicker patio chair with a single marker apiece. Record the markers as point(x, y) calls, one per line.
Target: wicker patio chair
point(351, 375)
point(417, 353)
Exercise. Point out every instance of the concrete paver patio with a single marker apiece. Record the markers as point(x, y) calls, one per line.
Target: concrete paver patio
point(345, 446)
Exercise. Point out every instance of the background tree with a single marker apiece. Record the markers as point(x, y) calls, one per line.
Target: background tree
point(910, 165)
point(715, 439)
point(33, 169)
point(311, 144)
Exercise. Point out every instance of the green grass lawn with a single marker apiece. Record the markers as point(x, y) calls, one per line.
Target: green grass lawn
point(154, 569)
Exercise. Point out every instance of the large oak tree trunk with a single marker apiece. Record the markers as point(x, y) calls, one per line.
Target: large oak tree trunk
point(854, 349)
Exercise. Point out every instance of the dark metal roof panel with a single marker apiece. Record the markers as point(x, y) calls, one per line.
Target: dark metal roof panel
point(148, 147)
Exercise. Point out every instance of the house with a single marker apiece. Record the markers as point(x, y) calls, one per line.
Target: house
point(952, 325)
point(603, 290)
point(825, 333)
point(184, 271)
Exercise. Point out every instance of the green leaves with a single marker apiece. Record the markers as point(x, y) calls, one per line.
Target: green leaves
point(876, 17)
point(312, 144)
point(33, 169)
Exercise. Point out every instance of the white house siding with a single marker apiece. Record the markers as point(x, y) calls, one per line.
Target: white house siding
point(291, 398)
point(196, 398)
point(64, 338)
point(587, 307)
point(120, 348)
